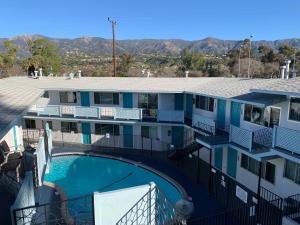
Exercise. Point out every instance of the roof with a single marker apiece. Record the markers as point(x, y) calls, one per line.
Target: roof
point(211, 86)
point(17, 94)
point(15, 99)
point(290, 87)
point(260, 99)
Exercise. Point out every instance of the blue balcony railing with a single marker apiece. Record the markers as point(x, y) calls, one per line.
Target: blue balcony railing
point(91, 112)
point(286, 139)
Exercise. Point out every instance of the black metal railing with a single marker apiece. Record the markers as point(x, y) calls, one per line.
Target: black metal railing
point(152, 208)
point(292, 207)
point(73, 211)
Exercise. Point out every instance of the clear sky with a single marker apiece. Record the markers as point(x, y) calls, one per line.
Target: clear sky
point(136, 19)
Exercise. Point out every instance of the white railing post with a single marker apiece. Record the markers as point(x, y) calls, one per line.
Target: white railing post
point(274, 136)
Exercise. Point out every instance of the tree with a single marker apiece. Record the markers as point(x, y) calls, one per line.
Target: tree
point(266, 54)
point(43, 54)
point(8, 58)
point(126, 61)
point(191, 61)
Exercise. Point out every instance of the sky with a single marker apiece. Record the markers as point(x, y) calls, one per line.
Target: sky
point(152, 19)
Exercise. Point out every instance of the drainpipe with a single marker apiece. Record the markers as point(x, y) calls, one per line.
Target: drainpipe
point(41, 72)
point(186, 74)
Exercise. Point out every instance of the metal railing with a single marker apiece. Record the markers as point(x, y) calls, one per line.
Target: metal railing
point(205, 124)
point(286, 139)
point(292, 207)
point(72, 211)
point(90, 112)
point(249, 139)
point(153, 208)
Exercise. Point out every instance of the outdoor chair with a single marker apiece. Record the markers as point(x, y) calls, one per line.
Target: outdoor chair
point(8, 153)
point(10, 163)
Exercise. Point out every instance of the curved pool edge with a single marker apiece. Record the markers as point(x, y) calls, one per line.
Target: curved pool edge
point(138, 164)
point(64, 210)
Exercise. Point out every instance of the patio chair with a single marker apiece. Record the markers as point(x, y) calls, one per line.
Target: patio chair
point(8, 153)
point(9, 164)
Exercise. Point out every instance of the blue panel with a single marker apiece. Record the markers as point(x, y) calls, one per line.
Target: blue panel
point(218, 157)
point(85, 98)
point(86, 133)
point(189, 105)
point(128, 136)
point(178, 101)
point(235, 113)
point(15, 138)
point(127, 100)
point(231, 162)
point(221, 114)
point(177, 136)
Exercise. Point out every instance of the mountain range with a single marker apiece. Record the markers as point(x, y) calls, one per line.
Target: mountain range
point(101, 46)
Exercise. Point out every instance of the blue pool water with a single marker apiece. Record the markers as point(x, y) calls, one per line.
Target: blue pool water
point(82, 175)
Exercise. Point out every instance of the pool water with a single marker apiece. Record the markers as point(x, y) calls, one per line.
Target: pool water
point(82, 175)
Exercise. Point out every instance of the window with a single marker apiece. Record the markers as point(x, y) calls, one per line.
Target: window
point(149, 103)
point(106, 98)
point(103, 129)
point(205, 103)
point(252, 165)
point(30, 124)
point(68, 97)
point(149, 132)
point(262, 116)
point(292, 171)
point(68, 127)
point(294, 113)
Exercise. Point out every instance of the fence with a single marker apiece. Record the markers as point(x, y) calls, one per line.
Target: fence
point(24, 198)
point(243, 206)
point(292, 207)
point(73, 211)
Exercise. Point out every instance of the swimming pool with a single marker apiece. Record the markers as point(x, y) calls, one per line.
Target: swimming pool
point(80, 175)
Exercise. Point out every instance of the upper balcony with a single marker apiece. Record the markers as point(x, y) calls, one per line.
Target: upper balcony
point(115, 113)
point(252, 141)
point(207, 133)
point(285, 139)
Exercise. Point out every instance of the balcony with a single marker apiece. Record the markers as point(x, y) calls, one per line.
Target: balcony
point(257, 141)
point(286, 139)
point(176, 116)
point(206, 132)
point(114, 113)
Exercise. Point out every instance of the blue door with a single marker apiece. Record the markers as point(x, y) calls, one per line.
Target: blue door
point(188, 105)
point(235, 113)
point(85, 98)
point(221, 113)
point(218, 157)
point(127, 100)
point(16, 137)
point(231, 162)
point(128, 136)
point(177, 136)
point(86, 133)
point(178, 101)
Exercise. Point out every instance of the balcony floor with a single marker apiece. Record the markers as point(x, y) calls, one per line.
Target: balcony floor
point(220, 138)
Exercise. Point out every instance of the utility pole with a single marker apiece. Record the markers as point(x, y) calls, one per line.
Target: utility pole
point(113, 24)
point(249, 64)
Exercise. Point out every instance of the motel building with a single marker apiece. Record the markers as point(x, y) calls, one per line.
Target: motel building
point(195, 150)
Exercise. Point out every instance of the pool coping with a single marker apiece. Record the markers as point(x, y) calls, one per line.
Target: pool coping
point(173, 182)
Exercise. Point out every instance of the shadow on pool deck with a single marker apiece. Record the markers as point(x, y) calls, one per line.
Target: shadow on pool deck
point(184, 172)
